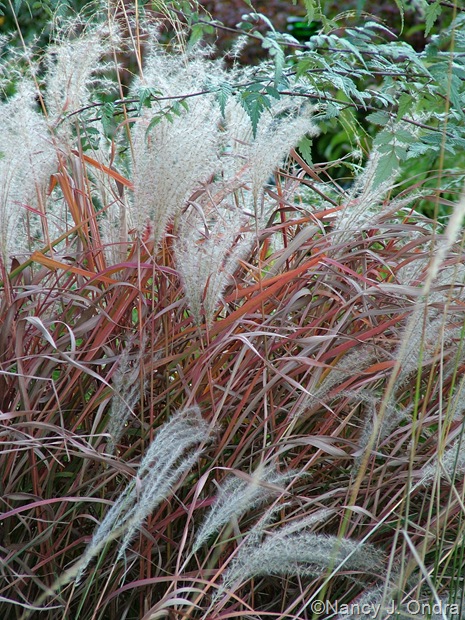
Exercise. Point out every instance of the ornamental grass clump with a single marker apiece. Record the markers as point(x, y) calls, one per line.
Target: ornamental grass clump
point(230, 378)
point(220, 227)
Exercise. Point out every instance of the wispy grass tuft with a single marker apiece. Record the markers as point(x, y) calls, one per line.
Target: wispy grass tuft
point(175, 150)
point(27, 159)
point(236, 496)
point(127, 385)
point(175, 449)
point(290, 552)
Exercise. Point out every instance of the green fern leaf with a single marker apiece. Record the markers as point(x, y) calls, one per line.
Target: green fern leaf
point(222, 95)
point(431, 14)
point(254, 102)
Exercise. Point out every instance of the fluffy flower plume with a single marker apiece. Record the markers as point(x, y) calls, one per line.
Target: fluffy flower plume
point(173, 452)
point(73, 66)
point(174, 145)
point(207, 260)
point(27, 159)
point(236, 496)
point(289, 551)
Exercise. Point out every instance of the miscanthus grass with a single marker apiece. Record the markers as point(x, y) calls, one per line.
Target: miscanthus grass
point(175, 449)
point(236, 496)
point(193, 151)
point(221, 228)
point(174, 156)
point(33, 139)
point(74, 69)
point(27, 159)
point(162, 250)
point(290, 551)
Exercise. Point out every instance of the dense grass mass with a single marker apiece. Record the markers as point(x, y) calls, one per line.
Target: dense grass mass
point(231, 380)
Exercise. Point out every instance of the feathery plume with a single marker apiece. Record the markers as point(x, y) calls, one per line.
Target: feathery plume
point(175, 449)
point(209, 250)
point(391, 419)
point(292, 552)
point(27, 159)
point(175, 149)
point(278, 132)
point(448, 465)
point(126, 392)
point(208, 258)
point(279, 129)
point(363, 202)
point(73, 67)
point(237, 496)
